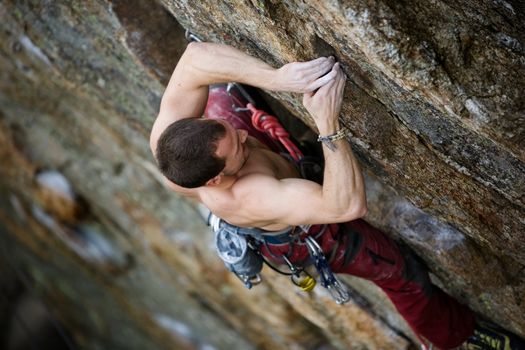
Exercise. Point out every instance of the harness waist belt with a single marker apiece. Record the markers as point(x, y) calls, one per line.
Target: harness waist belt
point(283, 238)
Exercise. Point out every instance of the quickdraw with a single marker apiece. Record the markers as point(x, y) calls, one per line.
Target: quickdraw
point(328, 280)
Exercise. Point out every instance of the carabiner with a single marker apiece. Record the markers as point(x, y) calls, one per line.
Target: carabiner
point(313, 247)
point(291, 266)
point(337, 290)
point(192, 37)
point(244, 94)
point(249, 281)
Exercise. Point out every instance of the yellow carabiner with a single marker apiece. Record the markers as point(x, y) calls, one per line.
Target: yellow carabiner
point(306, 283)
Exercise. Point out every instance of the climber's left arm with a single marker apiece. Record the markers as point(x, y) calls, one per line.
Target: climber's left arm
point(203, 64)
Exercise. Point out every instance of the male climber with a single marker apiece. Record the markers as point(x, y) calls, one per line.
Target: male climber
point(242, 181)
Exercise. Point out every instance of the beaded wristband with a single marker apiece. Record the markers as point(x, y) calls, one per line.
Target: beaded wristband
point(330, 139)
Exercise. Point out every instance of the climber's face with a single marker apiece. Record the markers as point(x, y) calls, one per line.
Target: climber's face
point(232, 147)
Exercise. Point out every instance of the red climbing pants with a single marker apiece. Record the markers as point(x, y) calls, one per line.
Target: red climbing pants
point(363, 251)
point(430, 312)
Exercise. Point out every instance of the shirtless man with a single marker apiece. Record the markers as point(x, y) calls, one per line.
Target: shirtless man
point(258, 187)
point(245, 183)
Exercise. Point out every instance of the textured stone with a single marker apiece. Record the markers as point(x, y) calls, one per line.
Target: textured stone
point(433, 100)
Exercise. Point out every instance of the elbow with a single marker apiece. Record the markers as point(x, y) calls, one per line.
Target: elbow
point(194, 50)
point(191, 47)
point(189, 54)
point(361, 210)
point(355, 210)
point(153, 139)
point(153, 148)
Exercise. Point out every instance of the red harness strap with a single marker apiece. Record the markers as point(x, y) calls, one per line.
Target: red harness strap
point(270, 124)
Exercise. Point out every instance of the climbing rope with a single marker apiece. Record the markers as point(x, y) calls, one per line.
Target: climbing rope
point(271, 125)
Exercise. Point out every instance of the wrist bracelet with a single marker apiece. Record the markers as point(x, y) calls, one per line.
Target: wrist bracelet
point(329, 140)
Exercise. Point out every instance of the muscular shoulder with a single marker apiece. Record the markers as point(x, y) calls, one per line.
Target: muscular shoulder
point(239, 204)
point(255, 184)
point(269, 201)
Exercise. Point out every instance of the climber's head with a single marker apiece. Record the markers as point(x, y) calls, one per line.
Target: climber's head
point(194, 152)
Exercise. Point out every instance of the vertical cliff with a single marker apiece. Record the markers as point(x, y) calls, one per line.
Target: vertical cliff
point(434, 102)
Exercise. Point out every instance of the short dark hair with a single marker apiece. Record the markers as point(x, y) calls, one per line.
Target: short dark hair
point(186, 151)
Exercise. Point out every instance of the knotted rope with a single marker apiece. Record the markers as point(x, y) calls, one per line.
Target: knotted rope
point(271, 125)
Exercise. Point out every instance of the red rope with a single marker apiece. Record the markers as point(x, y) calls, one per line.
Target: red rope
point(269, 124)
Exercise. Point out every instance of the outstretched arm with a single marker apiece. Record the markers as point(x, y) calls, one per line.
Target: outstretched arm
point(203, 64)
point(342, 196)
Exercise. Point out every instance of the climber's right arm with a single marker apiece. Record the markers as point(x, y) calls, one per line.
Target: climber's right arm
point(203, 64)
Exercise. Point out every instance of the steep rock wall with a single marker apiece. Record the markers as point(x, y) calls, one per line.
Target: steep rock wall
point(435, 104)
point(433, 100)
point(417, 111)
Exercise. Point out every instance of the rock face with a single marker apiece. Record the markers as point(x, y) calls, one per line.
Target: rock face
point(434, 102)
